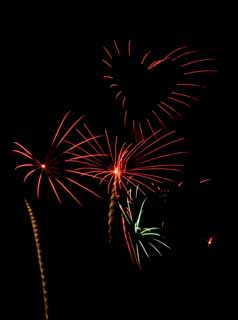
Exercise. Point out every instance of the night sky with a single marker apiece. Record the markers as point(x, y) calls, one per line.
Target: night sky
point(47, 73)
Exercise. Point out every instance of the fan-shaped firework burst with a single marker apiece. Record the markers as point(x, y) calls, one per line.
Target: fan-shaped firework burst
point(147, 163)
point(140, 241)
point(59, 164)
point(165, 84)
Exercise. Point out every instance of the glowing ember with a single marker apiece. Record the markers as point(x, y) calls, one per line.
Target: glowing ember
point(210, 241)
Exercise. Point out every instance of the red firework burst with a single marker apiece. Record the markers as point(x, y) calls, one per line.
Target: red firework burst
point(178, 78)
point(148, 163)
point(58, 165)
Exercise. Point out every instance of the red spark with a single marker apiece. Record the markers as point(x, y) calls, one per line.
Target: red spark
point(118, 94)
point(204, 181)
point(165, 108)
point(116, 46)
point(180, 184)
point(174, 51)
point(184, 95)
point(180, 101)
point(128, 240)
point(108, 77)
point(123, 103)
point(107, 52)
point(145, 56)
point(107, 63)
point(113, 85)
point(184, 54)
point(197, 61)
point(159, 119)
point(154, 64)
point(129, 48)
point(124, 119)
point(195, 85)
point(201, 71)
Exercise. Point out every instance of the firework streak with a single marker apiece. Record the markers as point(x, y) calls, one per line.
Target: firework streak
point(40, 259)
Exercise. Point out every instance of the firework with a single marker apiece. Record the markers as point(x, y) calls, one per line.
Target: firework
point(168, 84)
point(40, 258)
point(210, 240)
point(140, 241)
point(58, 166)
point(148, 163)
point(205, 180)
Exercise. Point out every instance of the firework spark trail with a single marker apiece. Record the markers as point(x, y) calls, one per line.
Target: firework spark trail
point(116, 46)
point(145, 56)
point(162, 106)
point(139, 240)
point(107, 63)
point(180, 101)
point(184, 54)
point(204, 181)
point(40, 259)
point(193, 66)
point(200, 71)
point(107, 52)
point(111, 213)
point(157, 62)
point(61, 163)
point(129, 48)
point(184, 95)
point(166, 105)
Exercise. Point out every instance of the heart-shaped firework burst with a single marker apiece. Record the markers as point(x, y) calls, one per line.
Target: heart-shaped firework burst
point(155, 87)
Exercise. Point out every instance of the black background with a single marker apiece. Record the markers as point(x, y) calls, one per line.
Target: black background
point(51, 69)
